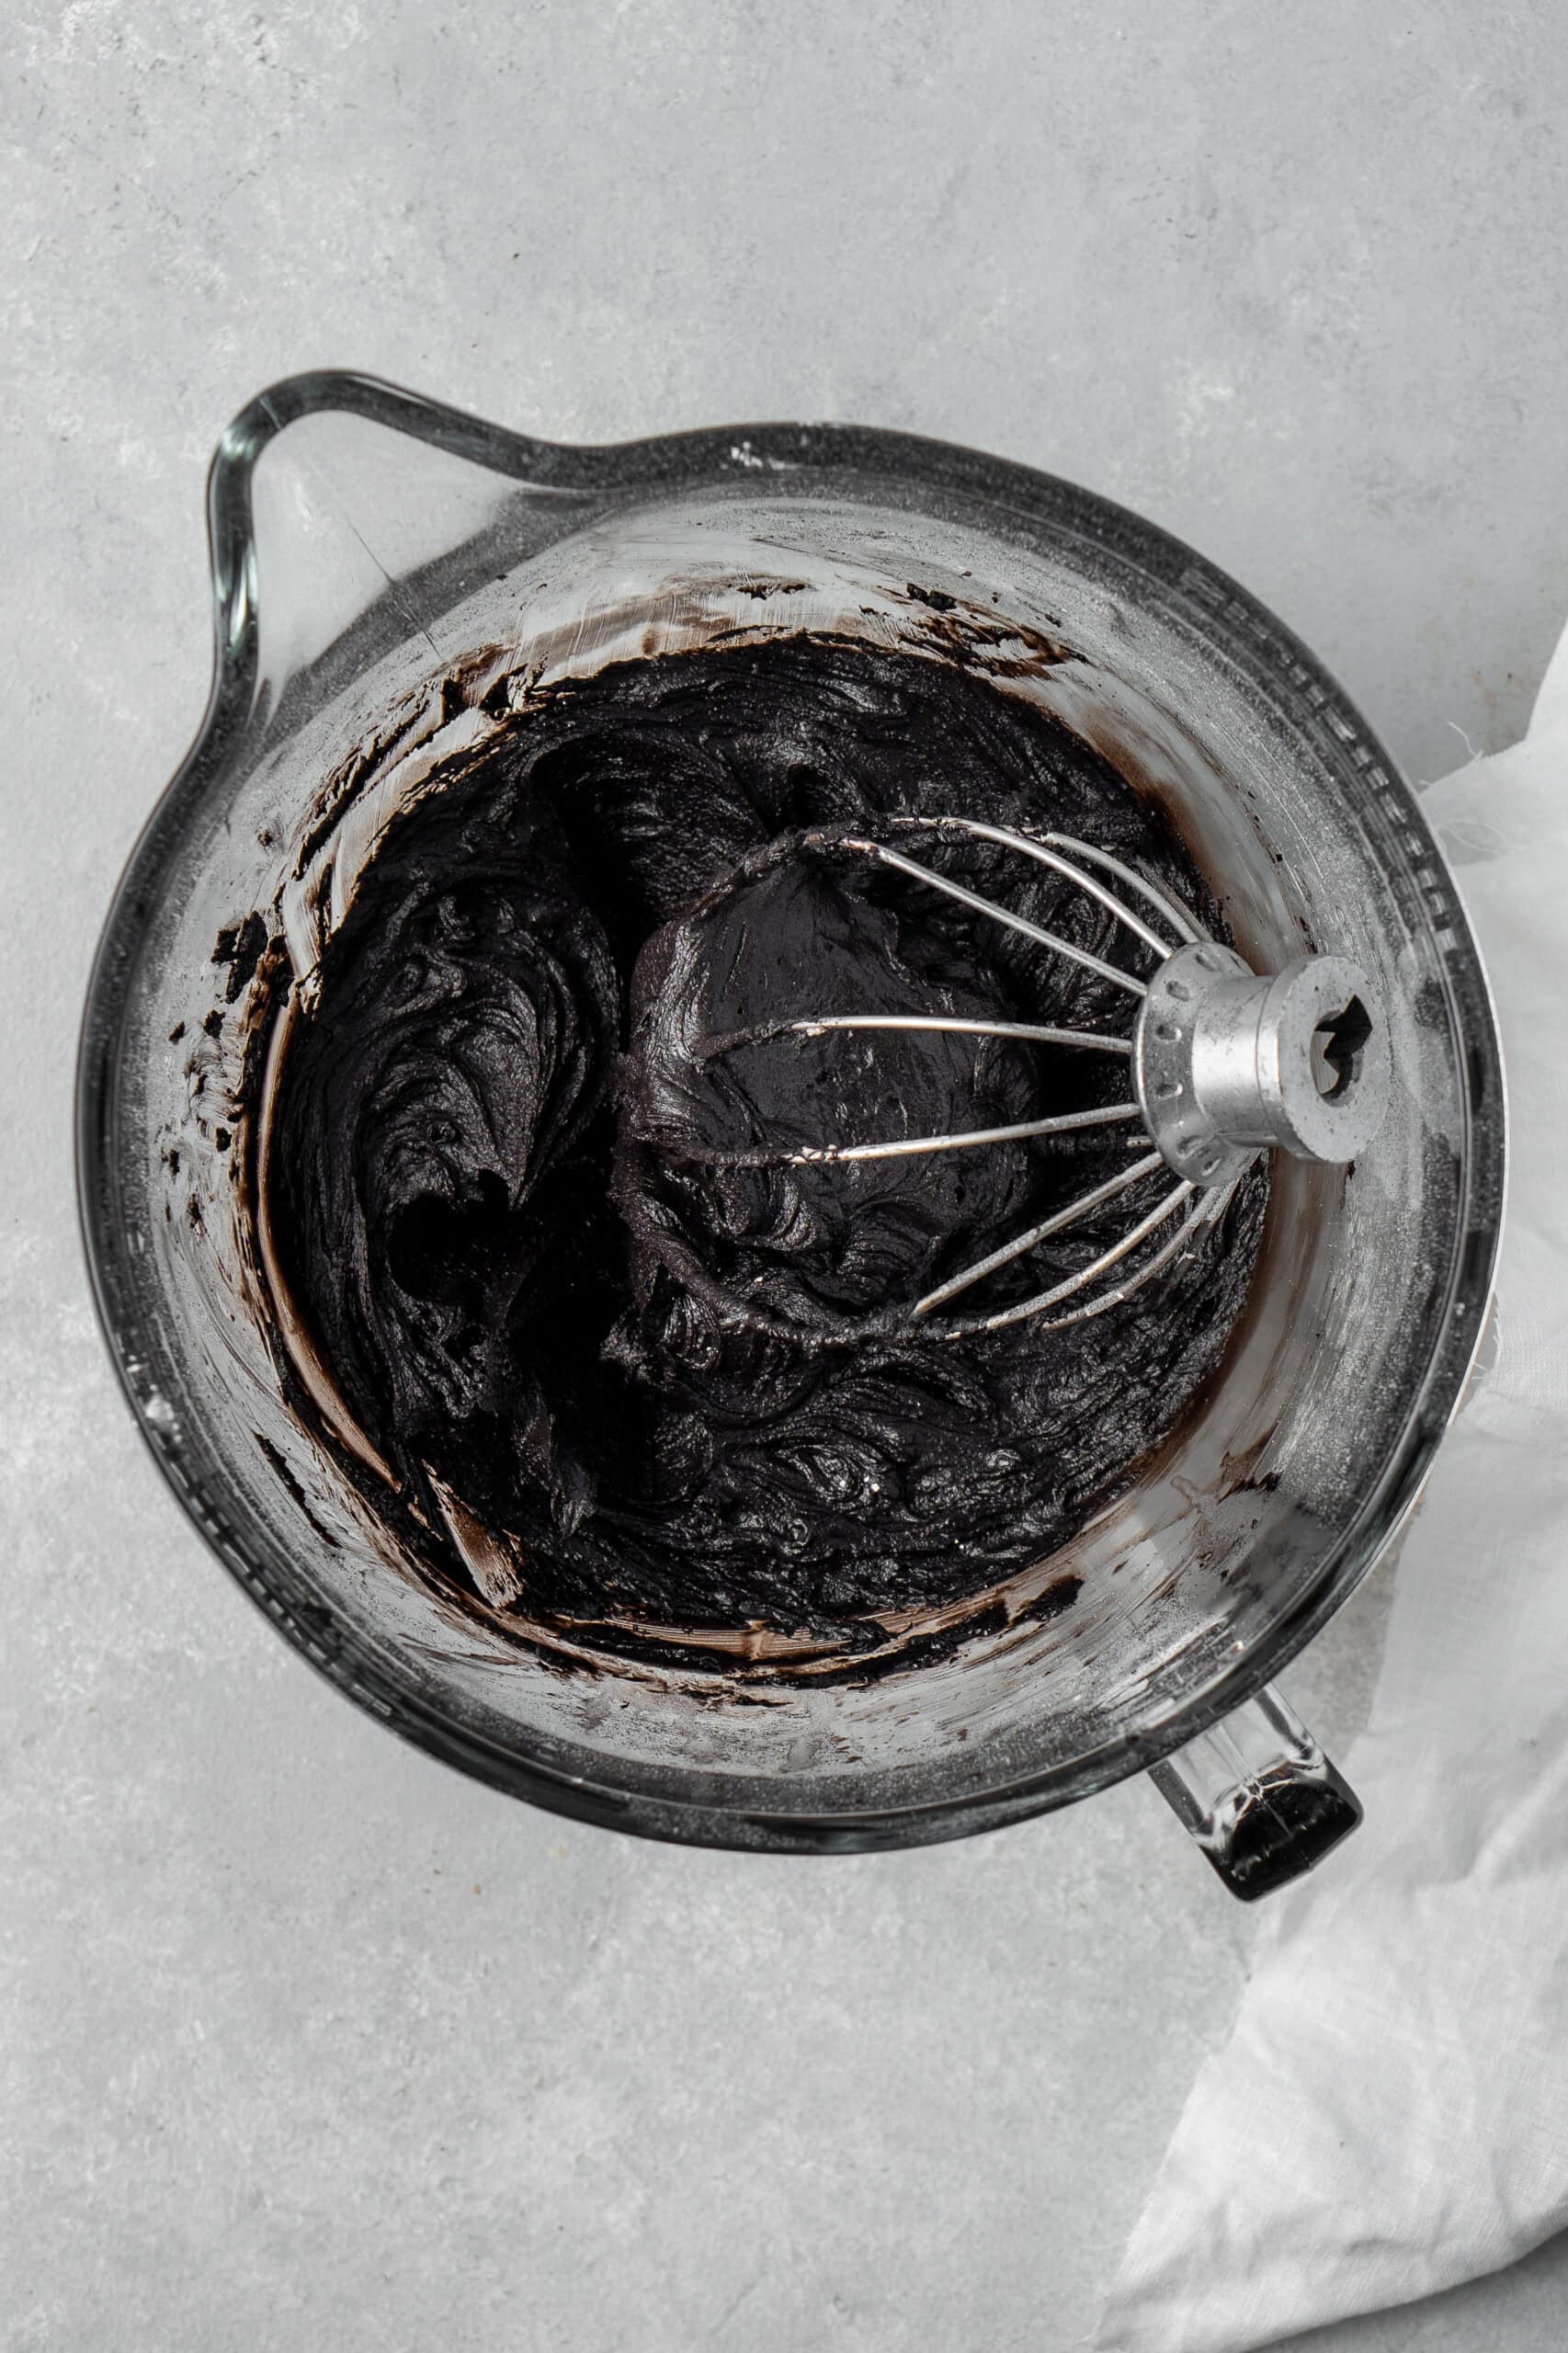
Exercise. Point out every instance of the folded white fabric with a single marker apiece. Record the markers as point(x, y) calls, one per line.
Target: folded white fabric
point(1391, 2114)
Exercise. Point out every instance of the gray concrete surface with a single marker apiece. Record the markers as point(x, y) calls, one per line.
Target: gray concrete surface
point(307, 2042)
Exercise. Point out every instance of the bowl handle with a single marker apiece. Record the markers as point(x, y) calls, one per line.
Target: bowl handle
point(1259, 1796)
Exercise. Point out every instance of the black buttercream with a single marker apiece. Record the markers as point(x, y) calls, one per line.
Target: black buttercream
point(674, 1388)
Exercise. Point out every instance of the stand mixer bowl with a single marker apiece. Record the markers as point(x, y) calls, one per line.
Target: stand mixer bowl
point(388, 573)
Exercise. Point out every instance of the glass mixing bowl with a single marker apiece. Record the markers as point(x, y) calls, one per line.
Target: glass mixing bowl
point(384, 571)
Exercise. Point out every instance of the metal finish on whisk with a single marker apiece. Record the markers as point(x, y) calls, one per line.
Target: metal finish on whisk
point(1224, 1064)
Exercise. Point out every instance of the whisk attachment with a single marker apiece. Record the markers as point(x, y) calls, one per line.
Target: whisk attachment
point(1223, 1064)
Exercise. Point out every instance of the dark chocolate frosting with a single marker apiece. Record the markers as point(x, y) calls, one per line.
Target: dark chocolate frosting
point(543, 1231)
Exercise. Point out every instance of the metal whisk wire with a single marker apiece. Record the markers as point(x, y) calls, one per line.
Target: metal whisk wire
point(1074, 860)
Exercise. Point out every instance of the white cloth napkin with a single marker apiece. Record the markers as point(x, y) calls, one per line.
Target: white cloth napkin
point(1391, 2114)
